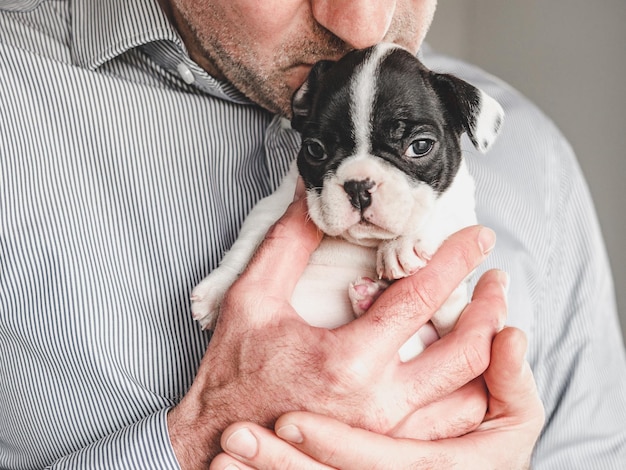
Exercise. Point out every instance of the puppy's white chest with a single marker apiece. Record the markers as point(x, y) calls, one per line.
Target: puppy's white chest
point(321, 295)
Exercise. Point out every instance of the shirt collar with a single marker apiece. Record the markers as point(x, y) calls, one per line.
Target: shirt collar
point(105, 29)
point(102, 30)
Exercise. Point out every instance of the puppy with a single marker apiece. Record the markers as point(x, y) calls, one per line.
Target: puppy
point(385, 181)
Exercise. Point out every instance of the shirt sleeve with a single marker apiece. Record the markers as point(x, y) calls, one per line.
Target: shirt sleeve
point(145, 444)
point(577, 352)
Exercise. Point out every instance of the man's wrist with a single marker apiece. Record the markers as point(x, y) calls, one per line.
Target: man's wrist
point(194, 434)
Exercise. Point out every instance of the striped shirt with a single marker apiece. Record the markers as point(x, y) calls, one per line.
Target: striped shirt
point(126, 172)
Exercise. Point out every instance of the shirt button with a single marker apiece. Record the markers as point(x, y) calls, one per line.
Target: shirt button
point(285, 124)
point(185, 74)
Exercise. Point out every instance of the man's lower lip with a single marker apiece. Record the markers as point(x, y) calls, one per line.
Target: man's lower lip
point(298, 75)
point(306, 68)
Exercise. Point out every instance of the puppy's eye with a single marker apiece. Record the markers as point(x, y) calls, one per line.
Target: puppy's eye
point(419, 148)
point(314, 149)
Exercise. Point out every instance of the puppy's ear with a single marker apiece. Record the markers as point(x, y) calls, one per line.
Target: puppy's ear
point(302, 100)
point(480, 115)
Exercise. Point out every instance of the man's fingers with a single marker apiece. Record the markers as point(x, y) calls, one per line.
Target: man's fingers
point(465, 352)
point(458, 413)
point(284, 253)
point(259, 448)
point(410, 302)
point(341, 446)
point(510, 381)
point(226, 462)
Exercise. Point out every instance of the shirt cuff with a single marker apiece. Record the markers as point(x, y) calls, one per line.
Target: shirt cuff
point(145, 444)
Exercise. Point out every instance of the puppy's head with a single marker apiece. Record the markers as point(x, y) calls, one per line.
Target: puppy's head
point(381, 140)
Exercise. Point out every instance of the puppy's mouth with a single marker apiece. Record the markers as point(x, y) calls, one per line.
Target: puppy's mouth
point(353, 225)
point(366, 233)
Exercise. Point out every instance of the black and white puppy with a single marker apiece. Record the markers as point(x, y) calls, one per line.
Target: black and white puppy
point(385, 181)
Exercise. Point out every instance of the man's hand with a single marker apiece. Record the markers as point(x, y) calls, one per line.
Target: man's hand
point(264, 360)
point(504, 440)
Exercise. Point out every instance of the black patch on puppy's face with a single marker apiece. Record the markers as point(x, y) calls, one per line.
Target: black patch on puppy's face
point(326, 127)
point(415, 124)
point(411, 128)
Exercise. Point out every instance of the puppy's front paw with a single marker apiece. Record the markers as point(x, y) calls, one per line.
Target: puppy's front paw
point(205, 304)
point(206, 298)
point(363, 292)
point(401, 257)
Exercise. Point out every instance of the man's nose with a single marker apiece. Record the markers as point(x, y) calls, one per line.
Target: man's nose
point(359, 23)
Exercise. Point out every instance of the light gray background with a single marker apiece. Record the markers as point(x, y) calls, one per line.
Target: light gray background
point(569, 57)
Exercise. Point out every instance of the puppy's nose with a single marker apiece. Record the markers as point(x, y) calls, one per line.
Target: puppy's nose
point(360, 193)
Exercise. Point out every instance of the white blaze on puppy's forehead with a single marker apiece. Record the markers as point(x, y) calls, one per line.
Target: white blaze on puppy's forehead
point(363, 94)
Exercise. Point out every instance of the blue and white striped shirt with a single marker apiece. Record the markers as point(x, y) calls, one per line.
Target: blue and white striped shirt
point(125, 173)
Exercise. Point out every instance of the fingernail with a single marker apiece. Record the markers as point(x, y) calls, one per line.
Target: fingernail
point(231, 466)
point(505, 281)
point(290, 433)
point(503, 278)
point(242, 443)
point(486, 240)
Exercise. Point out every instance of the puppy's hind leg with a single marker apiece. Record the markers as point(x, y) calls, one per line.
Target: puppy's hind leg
point(363, 293)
